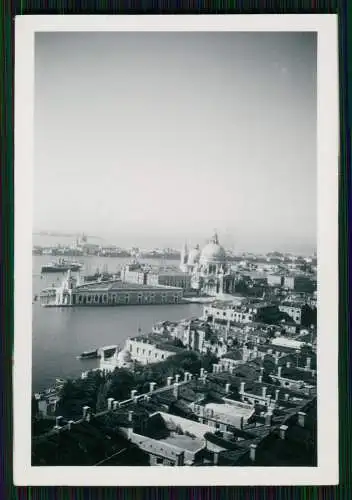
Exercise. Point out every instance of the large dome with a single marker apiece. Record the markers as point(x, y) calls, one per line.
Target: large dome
point(124, 356)
point(213, 252)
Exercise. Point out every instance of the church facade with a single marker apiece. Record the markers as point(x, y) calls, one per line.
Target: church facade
point(209, 270)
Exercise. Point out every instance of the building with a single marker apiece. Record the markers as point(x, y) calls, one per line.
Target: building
point(119, 359)
point(230, 313)
point(293, 310)
point(209, 269)
point(138, 273)
point(275, 280)
point(111, 293)
point(147, 349)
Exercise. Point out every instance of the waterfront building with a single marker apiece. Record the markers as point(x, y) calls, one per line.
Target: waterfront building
point(149, 348)
point(111, 293)
point(209, 269)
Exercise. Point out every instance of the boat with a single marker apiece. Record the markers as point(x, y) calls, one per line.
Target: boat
point(61, 266)
point(89, 354)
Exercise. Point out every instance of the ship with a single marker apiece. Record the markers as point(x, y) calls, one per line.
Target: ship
point(61, 266)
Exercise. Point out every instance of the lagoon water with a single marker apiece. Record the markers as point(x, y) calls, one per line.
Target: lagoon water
point(60, 335)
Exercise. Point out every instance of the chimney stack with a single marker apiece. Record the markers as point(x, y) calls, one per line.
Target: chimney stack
point(260, 379)
point(86, 413)
point(227, 388)
point(288, 364)
point(130, 416)
point(308, 363)
point(70, 423)
point(177, 378)
point(133, 394)
point(268, 418)
point(279, 370)
point(115, 405)
point(169, 380)
point(201, 372)
point(180, 458)
point(264, 392)
point(261, 370)
point(301, 418)
point(252, 451)
point(242, 387)
point(283, 429)
point(176, 389)
point(58, 422)
point(216, 457)
point(110, 401)
point(152, 386)
point(287, 397)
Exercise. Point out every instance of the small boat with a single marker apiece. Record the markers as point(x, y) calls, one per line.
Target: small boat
point(89, 354)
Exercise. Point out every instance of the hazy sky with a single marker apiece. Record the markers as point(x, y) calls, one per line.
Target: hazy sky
point(151, 138)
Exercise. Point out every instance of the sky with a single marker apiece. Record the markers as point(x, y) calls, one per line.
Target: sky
point(149, 139)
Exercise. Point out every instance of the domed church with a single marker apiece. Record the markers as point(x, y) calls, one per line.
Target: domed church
point(209, 269)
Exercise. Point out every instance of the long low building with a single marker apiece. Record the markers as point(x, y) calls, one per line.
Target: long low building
point(112, 293)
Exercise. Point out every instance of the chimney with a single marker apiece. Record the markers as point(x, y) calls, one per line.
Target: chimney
point(152, 386)
point(287, 397)
point(216, 457)
point(252, 451)
point(261, 370)
point(301, 418)
point(177, 378)
point(227, 388)
point(176, 390)
point(242, 387)
point(115, 405)
point(260, 379)
point(283, 429)
point(58, 422)
point(264, 392)
point(288, 364)
point(308, 363)
point(279, 370)
point(110, 401)
point(231, 370)
point(86, 413)
point(130, 416)
point(268, 418)
point(277, 392)
point(276, 357)
point(133, 394)
point(201, 372)
point(169, 380)
point(180, 458)
point(70, 424)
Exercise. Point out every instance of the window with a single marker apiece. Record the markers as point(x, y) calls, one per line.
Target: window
point(162, 356)
point(137, 350)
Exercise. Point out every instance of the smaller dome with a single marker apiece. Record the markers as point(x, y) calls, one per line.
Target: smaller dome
point(124, 356)
point(194, 256)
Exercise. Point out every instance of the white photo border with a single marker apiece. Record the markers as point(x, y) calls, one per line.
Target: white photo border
point(326, 473)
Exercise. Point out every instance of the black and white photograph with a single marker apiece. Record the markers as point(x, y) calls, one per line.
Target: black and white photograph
point(178, 278)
